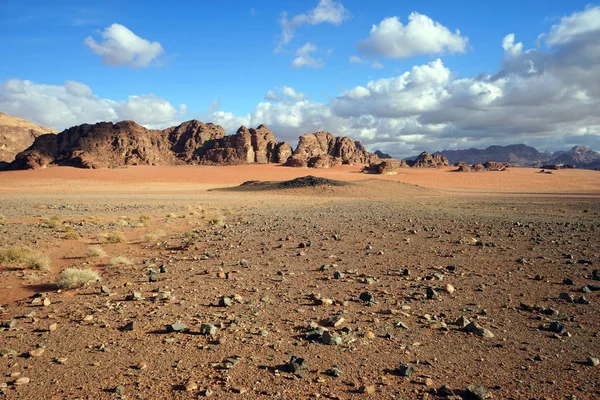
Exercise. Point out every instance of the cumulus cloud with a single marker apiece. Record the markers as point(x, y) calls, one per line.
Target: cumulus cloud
point(120, 46)
point(304, 57)
point(74, 103)
point(327, 11)
point(422, 35)
point(545, 98)
point(354, 59)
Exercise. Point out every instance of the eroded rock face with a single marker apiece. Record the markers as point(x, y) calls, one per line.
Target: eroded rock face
point(325, 144)
point(426, 160)
point(16, 135)
point(388, 166)
point(106, 144)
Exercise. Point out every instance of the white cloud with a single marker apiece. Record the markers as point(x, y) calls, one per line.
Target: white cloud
point(304, 57)
point(355, 60)
point(548, 99)
point(61, 107)
point(272, 96)
point(327, 11)
point(576, 27)
point(376, 65)
point(421, 35)
point(120, 46)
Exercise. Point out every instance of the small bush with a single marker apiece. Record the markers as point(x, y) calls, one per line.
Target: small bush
point(153, 236)
point(145, 220)
point(25, 256)
point(119, 260)
point(38, 261)
point(73, 277)
point(102, 237)
point(72, 235)
point(95, 251)
point(218, 220)
point(115, 237)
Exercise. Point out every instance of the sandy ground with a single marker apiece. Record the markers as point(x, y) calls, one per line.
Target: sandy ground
point(514, 240)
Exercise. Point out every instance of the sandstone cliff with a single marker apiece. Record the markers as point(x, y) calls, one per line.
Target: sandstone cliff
point(106, 144)
point(323, 150)
point(16, 135)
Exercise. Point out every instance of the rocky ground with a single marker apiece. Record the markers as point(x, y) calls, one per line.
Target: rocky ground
point(377, 289)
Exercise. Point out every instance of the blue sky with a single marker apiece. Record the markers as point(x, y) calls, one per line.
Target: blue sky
point(400, 76)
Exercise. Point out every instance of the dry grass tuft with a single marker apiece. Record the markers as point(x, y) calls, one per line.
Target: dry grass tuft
point(25, 256)
point(145, 220)
point(218, 220)
point(119, 260)
point(111, 237)
point(95, 251)
point(72, 235)
point(153, 236)
point(73, 277)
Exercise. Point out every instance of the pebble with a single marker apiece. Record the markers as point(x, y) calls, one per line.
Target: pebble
point(134, 296)
point(119, 389)
point(478, 392)
point(177, 327)
point(478, 330)
point(296, 364)
point(566, 296)
point(367, 389)
point(593, 361)
point(450, 289)
point(225, 301)
point(37, 352)
point(52, 327)
point(462, 322)
point(582, 300)
point(367, 298)
point(330, 339)
point(596, 274)
point(190, 386)
point(338, 275)
point(432, 294)
point(405, 370)
point(208, 329)
point(335, 372)
point(557, 327)
point(128, 327)
point(104, 290)
point(22, 381)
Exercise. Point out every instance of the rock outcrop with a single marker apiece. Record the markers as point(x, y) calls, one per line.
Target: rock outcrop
point(518, 154)
point(385, 167)
point(426, 160)
point(316, 146)
point(488, 166)
point(16, 135)
point(107, 144)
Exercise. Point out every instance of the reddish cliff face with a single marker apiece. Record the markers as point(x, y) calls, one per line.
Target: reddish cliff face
point(326, 150)
point(106, 144)
point(16, 135)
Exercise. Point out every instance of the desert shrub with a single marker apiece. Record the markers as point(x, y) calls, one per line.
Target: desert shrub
point(25, 256)
point(218, 220)
point(153, 236)
point(122, 222)
point(111, 237)
point(119, 260)
point(71, 234)
point(95, 251)
point(73, 277)
point(144, 220)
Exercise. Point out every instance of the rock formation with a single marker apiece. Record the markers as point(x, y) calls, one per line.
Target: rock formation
point(16, 135)
point(426, 160)
point(385, 167)
point(320, 145)
point(126, 143)
point(488, 166)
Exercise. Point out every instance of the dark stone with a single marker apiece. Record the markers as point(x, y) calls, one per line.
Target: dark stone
point(432, 294)
point(296, 364)
point(177, 327)
point(128, 327)
point(557, 327)
point(367, 297)
point(478, 392)
point(405, 370)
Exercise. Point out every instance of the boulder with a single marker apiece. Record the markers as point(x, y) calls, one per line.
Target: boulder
point(295, 161)
point(426, 160)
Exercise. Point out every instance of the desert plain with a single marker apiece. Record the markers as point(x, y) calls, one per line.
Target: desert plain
point(423, 285)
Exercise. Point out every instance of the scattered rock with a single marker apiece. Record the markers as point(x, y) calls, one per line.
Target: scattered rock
point(405, 370)
point(367, 297)
point(225, 301)
point(296, 364)
point(478, 330)
point(208, 329)
point(177, 327)
point(478, 392)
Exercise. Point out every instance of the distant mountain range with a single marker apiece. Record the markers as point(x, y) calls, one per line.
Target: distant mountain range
point(522, 155)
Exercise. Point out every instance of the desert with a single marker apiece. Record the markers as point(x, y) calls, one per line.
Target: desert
point(213, 289)
point(321, 199)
